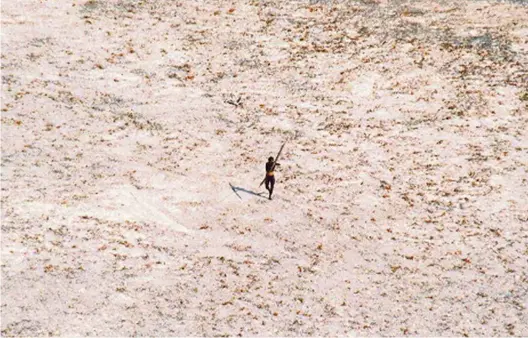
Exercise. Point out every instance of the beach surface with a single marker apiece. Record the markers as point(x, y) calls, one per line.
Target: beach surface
point(134, 137)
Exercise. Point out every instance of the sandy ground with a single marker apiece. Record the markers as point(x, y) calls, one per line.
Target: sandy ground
point(401, 207)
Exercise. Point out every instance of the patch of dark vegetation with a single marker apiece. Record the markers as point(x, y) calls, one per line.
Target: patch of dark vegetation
point(9, 79)
point(122, 8)
point(92, 6)
point(40, 42)
point(519, 2)
point(104, 101)
point(138, 121)
point(409, 32)
point(486, 45)
point(181, 72)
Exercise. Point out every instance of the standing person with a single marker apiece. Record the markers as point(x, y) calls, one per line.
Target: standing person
point(270, 175)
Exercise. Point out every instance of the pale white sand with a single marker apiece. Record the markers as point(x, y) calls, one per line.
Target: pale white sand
point(401, 206)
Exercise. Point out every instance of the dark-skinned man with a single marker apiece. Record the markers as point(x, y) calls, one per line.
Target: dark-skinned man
point(270, 175)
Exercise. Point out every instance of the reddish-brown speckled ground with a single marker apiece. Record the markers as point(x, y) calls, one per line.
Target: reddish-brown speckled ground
point(401, 204)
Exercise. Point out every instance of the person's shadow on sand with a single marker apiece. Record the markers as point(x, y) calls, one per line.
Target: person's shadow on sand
point(237, 189)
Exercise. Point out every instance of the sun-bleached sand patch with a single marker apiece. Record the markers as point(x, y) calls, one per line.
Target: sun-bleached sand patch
point(134, 138)
point(119, 204)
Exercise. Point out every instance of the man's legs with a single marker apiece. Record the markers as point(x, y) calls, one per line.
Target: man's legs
point(272, 184)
